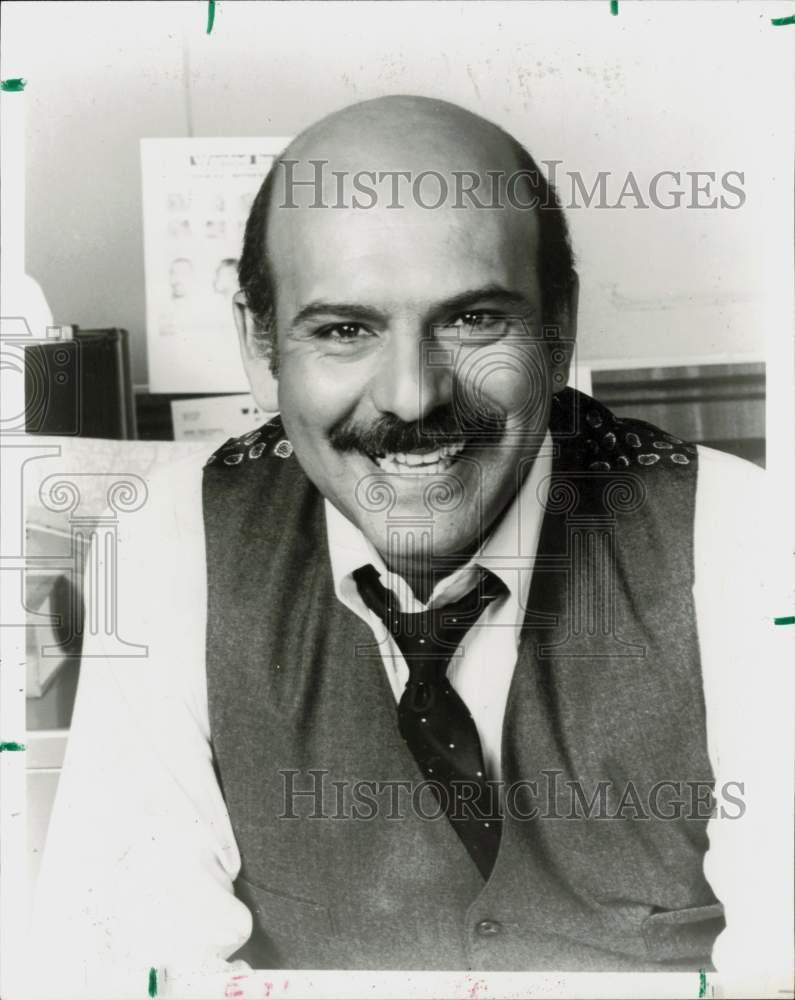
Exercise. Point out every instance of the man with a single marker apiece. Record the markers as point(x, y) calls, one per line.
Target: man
point(443, 606)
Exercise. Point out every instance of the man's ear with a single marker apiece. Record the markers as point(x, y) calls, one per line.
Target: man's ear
point(562, 349)
point(256, 356)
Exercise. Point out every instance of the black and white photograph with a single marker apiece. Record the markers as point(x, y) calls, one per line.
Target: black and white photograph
point(398, 466)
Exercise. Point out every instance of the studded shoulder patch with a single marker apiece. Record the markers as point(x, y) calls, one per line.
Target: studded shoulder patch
point(249, 447)
point(608, 442)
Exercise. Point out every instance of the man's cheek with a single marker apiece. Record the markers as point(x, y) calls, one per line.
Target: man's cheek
point(507, 378)
point(507, 387)
point(301, 396)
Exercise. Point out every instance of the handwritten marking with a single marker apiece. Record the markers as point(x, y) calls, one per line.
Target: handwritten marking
point(210, 16)
point(476, 987)
point(14, 86)
point(614, 7)
point(232, 987)
point(702, 984)
point(153, 982)
point(778, 22)
point(787, 620)
point(12, 746)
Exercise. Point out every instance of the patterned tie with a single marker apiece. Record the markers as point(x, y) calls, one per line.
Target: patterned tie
point(432, 718)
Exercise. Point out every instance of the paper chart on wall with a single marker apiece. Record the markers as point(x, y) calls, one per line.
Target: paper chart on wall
point(196, 198)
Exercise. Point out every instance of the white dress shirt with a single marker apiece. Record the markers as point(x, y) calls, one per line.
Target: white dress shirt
point(141, 856)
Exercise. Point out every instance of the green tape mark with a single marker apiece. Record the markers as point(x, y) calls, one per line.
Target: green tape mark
point(153, 982)
point(787, 620)
point(614, 7)
point(780, 21)
point(210, 16)
point(702, 983)
point(12, 746)
point(15, 86)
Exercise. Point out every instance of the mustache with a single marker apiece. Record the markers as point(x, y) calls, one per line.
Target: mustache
point(443, 426)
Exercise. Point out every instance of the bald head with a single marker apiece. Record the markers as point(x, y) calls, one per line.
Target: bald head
point(403, 132)
point(383, 115)
point(401, 152)
point(429, 168)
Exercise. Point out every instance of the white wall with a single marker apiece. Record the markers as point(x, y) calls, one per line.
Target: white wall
point(662, 86)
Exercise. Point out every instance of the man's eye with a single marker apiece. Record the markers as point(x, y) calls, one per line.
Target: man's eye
point(342, 333)
point(479, 321)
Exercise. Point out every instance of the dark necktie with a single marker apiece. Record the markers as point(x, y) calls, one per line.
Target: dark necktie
point(433, 720)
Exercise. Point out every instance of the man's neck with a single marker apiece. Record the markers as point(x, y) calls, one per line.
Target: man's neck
point(424, 574)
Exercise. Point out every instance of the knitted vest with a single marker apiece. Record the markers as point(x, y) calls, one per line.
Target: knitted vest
point(345, 862)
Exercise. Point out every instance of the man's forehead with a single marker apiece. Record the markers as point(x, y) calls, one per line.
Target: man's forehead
point(398, 255)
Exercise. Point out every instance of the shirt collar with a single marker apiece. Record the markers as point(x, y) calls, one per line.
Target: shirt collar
point(508, 552)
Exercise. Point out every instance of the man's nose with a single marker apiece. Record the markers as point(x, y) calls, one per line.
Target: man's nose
point(413, 378)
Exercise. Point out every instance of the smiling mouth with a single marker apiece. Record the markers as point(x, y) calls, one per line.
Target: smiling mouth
point(423, 463)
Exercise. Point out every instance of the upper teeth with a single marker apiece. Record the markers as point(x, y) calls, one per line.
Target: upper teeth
point(420, 461)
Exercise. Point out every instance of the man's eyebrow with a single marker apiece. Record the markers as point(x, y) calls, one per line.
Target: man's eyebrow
point(356, 312)
point(504, 297)
point(350, 310)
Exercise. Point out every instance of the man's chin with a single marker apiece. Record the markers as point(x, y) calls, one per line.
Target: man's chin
point(405, 538)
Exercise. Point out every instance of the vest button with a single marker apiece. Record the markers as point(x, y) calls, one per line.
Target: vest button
point(488, 928)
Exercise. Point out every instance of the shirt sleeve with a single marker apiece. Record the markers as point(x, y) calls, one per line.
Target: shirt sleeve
point(140, 856)
point(748, 697)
